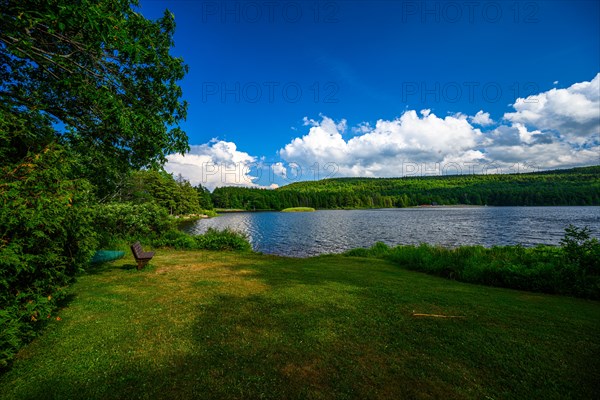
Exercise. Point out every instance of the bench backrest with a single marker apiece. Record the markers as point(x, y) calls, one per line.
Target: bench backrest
point(136, 248)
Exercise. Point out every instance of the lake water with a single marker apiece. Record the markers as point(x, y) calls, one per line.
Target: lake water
point(334, 231)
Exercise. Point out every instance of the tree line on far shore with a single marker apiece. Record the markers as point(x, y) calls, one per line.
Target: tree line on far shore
point(572, 187)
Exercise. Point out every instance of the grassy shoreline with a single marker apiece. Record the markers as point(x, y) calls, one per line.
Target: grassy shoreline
point(244, 325)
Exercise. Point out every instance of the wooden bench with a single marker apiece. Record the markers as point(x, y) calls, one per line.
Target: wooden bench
point(141, 257)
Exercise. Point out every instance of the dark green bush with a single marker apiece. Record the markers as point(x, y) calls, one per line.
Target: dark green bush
point(226, 239)
point(46, 238)
point(379, 249)
point(118, 222)
point(581, 250)
point(175, 239)
point(359, 252)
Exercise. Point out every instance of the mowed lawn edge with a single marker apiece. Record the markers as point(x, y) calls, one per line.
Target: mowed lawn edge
point(200, 324)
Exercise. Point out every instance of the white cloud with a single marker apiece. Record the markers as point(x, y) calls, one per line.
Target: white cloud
point(544, 155)
point(573, 112)
point(481, 118)
point(214, 164)
point(324, 141)
point(363, 127)
point(279, 170)
point(310, 122)
point(559, 128)
point(459, 115)
point(516, 143)
point(385, 149)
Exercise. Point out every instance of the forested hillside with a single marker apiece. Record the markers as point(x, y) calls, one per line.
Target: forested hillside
point(578, 186)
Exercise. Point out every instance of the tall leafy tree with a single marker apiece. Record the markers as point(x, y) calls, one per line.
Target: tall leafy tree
point(95, 76)
point(204, 197)
point(88, 92)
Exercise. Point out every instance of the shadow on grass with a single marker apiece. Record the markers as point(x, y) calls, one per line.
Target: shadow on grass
point(325, 328)
point(322, 270)
point(247, 347)
point(129, 267)
point(106, 267)
point(65, 301)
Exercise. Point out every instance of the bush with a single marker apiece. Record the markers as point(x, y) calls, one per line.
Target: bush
point(581, 250)
point(226, 239)
point(175, 239)
point(46, 238)
point(118, 222)
point(378, 250)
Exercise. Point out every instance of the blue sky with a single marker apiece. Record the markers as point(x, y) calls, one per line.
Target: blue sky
point(293, 90)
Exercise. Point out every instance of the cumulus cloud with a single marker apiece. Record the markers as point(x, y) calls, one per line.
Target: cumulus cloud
point(214, 164)
point(385, 149)
point(481, 118)
point(573, 112)
point(511, 144)
point(559, 128)
point(543, 155)
point(279, 169)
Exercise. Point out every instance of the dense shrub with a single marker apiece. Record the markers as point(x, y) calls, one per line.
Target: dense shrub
point(213, 239)
point(46, 237)
point(379, 249)
point(177, 196)
point(226, 239)
point(581, 250)
point(118, 222)
point(571, 269)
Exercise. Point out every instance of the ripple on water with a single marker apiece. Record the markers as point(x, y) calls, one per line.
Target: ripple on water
point(334, 231)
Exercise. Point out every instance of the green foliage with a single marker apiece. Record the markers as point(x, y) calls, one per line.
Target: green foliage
point(213, 239)
point(178, 197)
point(248, 199)
point(88, 93)
point(204, 198)
point(101, 70)
point(117, 222)
point(46, 238)
point(565, 270)
point(578, 186)
point(378, 250)
point(581, 250)
point(226, 239)
point(209, 212)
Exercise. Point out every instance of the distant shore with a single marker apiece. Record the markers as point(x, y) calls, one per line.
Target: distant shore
point(310, 209)
point(449, 206)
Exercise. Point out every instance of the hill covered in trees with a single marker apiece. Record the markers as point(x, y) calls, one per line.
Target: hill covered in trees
point(577, 186)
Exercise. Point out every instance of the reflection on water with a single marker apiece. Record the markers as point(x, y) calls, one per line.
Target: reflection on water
point(334, 231)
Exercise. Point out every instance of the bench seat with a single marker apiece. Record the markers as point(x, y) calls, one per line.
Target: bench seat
point(141, 257)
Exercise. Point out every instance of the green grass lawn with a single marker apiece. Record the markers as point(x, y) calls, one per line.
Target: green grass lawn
point(298, 209)
point(248, 326)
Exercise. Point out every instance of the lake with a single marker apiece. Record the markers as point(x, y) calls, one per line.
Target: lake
point(334, 231)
